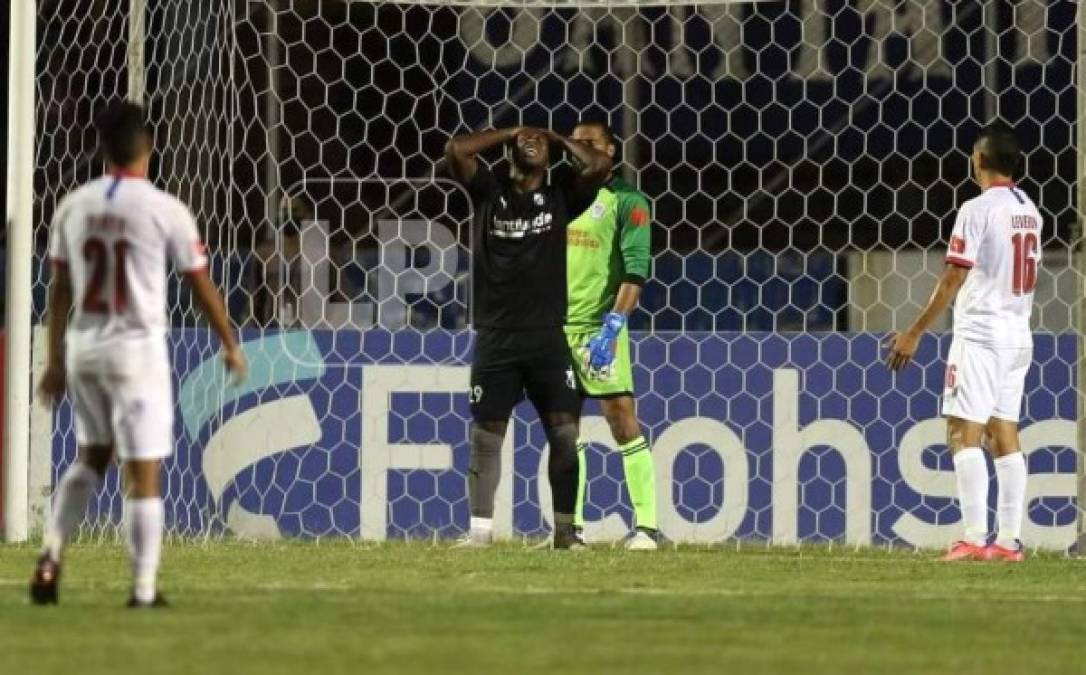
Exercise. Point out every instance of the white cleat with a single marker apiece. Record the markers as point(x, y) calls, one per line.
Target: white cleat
point(473, 540)
point(545, 545)
point(641, 541)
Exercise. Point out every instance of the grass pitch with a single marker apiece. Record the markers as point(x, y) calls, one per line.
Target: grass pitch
point(415, 608)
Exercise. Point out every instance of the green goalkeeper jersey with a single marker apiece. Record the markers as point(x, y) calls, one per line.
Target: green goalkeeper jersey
point(606, 245)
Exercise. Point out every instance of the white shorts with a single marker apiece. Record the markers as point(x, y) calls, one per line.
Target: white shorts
point(985, 382)
point(131, 410)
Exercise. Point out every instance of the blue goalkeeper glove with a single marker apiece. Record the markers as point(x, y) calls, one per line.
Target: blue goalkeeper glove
point(601, 349)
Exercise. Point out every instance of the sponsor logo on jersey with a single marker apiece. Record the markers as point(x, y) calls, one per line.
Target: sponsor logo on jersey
point(539, 199)
point(639, 216)
point(598, 209)
point(957, 244)
point(518, 228)
point(581, 239)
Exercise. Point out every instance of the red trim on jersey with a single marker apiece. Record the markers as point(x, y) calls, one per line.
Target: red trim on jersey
point(1001, 183)
point(959, 262)
point(125, 173)
point(195, 271)
point(58, 261)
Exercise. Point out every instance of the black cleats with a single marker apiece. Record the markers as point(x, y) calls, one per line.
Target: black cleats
point(578, 535)
point(567, 538)
point(43, 585)
point(158, 603)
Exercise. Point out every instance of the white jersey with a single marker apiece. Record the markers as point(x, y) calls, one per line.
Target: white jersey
point(998, 236)
point(115, 234)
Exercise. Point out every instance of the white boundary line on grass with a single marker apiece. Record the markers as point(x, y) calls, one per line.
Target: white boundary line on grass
point(545, 591)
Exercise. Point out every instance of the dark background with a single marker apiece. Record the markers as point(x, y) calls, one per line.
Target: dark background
point(761, 187)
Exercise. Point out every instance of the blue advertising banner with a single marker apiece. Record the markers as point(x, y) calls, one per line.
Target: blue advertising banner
point(781, 437)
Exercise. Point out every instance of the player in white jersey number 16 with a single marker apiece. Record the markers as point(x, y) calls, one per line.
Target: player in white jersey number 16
point(991, 266)
point(110, 242)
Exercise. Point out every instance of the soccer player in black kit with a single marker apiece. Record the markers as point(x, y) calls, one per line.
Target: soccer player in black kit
point(519, 306)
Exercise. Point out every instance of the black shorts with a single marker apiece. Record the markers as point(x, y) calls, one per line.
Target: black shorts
point(511, 363)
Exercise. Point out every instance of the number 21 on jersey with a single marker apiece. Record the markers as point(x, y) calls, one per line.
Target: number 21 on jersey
point(101, 260)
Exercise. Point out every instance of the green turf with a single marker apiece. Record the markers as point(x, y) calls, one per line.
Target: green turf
point(348, 608)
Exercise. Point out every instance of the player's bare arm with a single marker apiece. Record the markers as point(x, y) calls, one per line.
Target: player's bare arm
point(593, 166)
point(903, 346)
point(51, 387)
point(461, 151)
point(211, 302)
point(629, 294)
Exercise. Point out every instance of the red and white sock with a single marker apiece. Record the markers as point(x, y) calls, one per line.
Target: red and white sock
point(143, 528)
point(972, 472)
point(75, 489)
point(1011, 478)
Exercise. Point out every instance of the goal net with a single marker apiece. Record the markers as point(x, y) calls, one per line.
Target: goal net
point(804, 160)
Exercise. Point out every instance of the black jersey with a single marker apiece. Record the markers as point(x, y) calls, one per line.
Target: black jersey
point(519, 250)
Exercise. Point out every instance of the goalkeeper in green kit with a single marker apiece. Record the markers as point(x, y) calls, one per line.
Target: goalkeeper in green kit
point(607, 262)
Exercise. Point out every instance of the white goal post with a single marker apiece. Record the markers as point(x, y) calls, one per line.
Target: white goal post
point(20, 217)
point(802, 187)
point(1080, 71)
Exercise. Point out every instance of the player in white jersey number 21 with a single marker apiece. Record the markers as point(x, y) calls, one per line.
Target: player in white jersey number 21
point(991, 266)
point(109, 244)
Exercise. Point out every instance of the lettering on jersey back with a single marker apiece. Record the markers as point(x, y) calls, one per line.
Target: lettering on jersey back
point(1023, 223)
point(105, 223)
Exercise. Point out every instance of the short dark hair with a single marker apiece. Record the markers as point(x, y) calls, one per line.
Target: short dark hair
point(999, 149)
point(608, 133)
point(123, 133)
